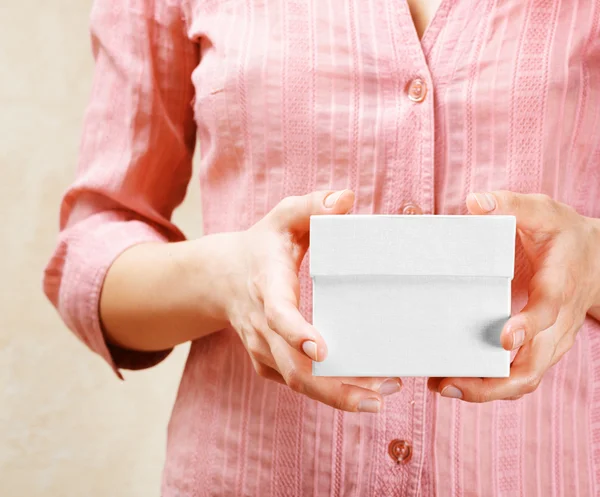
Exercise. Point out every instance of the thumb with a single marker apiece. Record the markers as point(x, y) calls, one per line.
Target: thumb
point(293, 213)
point(533, 212)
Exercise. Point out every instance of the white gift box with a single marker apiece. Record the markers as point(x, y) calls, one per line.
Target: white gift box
point(412, 295)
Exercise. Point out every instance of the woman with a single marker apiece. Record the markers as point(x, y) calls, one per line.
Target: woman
point(305, 108)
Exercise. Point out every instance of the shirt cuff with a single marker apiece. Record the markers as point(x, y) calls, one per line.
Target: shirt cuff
point(89, 258)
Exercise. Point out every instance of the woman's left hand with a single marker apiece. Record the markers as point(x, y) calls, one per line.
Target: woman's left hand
point(563, 248)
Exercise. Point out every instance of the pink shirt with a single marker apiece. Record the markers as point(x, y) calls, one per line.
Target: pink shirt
point(290, 96)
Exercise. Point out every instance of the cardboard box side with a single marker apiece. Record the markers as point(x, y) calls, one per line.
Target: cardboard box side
point(412, 326)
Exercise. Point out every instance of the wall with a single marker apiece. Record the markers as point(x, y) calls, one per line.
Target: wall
point(68, 427)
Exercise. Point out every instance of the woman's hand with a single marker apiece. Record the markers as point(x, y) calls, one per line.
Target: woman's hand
point(262, 292)
point(563, 248)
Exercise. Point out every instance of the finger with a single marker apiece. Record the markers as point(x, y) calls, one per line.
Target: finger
point(516, 397)
point(530, 364)
point(293, 213)
point(296, 371)
point(267, 372)
point(546, 298)
point(258, 349)
point(573, 323)
point(533, 212)
point(385, 386)
point(433, 383)
point(284, 318)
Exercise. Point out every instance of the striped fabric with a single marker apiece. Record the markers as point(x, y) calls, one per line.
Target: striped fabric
point(290, 96)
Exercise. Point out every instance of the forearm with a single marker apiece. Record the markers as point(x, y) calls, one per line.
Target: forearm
point(595, 232)
point(156, 296)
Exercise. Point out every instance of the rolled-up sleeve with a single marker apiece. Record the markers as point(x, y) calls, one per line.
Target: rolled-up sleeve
point(134, 160)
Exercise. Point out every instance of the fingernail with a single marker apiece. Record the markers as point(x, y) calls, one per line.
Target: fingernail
point(452, 392)
point(390, 386)
point(369, 405)
point(310, 349)
point(332, 198)
point(518, 337)
point(485, 201)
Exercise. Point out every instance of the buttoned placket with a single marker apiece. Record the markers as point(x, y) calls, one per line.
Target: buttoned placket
point(405, 424)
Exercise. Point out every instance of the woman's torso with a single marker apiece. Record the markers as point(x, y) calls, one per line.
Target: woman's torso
point(294, 96)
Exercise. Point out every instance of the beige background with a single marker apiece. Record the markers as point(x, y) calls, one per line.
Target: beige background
point(68, 427)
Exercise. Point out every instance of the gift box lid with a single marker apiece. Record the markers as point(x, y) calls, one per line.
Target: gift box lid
point(426, 245)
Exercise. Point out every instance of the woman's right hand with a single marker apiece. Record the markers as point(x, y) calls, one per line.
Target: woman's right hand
point(261, 291)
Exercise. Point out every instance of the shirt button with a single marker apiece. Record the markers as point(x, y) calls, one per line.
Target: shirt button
point(411, 209)
point(417, 89)
point(400, 451)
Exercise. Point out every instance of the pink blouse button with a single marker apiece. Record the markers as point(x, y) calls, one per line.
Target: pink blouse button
point(400, 451)
point(417, 89)
point(411, 209)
